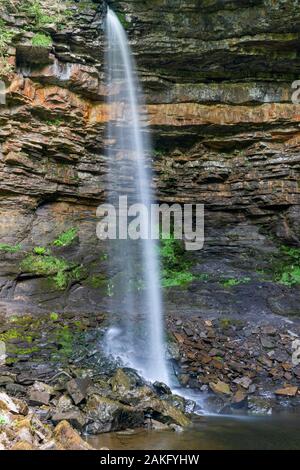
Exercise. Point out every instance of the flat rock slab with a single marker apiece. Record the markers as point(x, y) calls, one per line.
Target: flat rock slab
point(287, 391)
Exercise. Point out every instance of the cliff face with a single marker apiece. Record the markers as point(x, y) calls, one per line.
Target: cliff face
point(217, 77)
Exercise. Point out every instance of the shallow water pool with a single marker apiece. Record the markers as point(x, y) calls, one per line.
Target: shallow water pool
point(281, 431)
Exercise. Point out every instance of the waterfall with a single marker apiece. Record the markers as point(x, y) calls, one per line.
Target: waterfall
point(137, 334)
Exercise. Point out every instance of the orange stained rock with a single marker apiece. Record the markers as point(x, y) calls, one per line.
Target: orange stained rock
point(54, 98)
point(51, 97)
point(197, 114)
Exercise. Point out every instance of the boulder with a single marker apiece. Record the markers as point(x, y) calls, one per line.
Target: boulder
point(120, 382)
point(156, 425)
point(24, 435)
point(8, 404)
point(289, 391)
point(220, 387)
point(186, 406)
point(77, 389)
point(37, 398)
point(267, 342)
point(176, 428)
point(7, 378)
point(162, 411)
point(259, 406)
point(107, 415)
point(22, 445)
point(16, 389)
point(22, 406)
point(269, 330)
point(66, 438)
point(49, 445)
point(161, 388)
point(133, 396)
point(75, 417)
point(239, 400)
point(40, 394)
point(64, 403)
point(245, 382)
point(173, 351)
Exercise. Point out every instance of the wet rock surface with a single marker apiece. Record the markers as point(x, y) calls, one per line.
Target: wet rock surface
point(76, 384)
point(226, 365)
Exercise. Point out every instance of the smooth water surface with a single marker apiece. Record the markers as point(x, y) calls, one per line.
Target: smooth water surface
point(213, 433)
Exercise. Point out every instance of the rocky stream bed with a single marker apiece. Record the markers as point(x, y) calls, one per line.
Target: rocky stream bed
point(54, 395)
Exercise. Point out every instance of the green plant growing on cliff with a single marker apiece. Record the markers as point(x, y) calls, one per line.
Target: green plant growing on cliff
point(54, 122)
point(6, 35)
point(176, 268)
point(97, 280)
point(34, 9)
point(40, 250)
point(173, 278)
point(232, 282)
point(10, 334)
point(61, 280)
point(46, 265)
point(287, 271)
point(41, 14)
point(10, 248)
point(41, 40)
point(66, 238)
point(158, 152)
point(123, 20)
point(53, 316)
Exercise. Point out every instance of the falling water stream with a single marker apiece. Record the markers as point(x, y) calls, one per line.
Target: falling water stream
point(137, 334)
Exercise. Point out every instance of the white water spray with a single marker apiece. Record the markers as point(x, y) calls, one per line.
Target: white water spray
point(138, 336)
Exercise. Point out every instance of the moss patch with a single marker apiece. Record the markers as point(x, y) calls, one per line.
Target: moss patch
point(41, 40)
point(41, 13)
point(96, 281)
point(232, 282)
point(52, 337)
point(58, 269)
point(123, 20)
point(6, 35)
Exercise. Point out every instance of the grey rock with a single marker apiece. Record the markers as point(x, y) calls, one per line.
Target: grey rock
point(105, 415)
point(5, 379)
point(267, 342)
point(37, 397)
point(16, 389)
point(161, 388)
point(245, 382)
point(75, 417)
point(259, 406)
point(77, 389)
